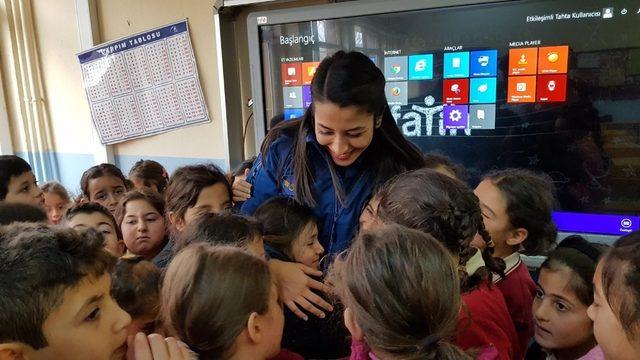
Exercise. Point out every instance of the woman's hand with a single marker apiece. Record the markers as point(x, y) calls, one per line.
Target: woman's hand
point(294, 288)
point(241, 188)
point(156, 347)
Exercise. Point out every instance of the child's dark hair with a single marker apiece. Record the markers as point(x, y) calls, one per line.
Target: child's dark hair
point(433, 160)
point(246, 164)
point(410, 316)
point(154, 199)
point(621, 282)
point(447, 209)
point(283, 219)
point(90, 208)
point(37, 265)
point(17, 212)
point(219, 229)
point(209, 292)
point(530, 199)
point(581, 257)
point(10, 166)
point(98, 171)
point(56, 188)
point(150, 172)
point(135, 285)
point(349, 79)
point(187, 182)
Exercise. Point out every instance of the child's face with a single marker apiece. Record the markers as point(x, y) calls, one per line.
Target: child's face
point(88, 324)
point(55, 206)
point(106, 191)
point(24, 189)
point(103, 224)
point(369, 216)
point(607, 328)
point(560, 318)
point(212, 199)
point(306, 249)
point(494, 213)
point(143, 229)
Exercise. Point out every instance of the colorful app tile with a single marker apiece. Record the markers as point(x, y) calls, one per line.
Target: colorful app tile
point(395, 68)
point(421, 67)
point(291, 74)
point(552, 88)
point(290, 114)
point(456, 65)
point(482, 117)
point(521, 89)
point(308, 70)
point(523, 61)
point(455, 116)
point(455, 91)
point(397, 93)
point(306, 96)
point(553, 60)
point(482, 90)
point(292, 97)
point(484, 63)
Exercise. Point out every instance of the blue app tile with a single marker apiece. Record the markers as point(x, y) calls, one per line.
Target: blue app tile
point(482, 90)
point(421, 67)
point(290, 114)
point(484, 63)
point(456, 65)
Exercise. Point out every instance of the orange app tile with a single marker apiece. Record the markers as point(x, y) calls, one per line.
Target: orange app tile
point(553, 60)
point(308, 70)
point(523, 61)
point(521, 89)
point(291, 74)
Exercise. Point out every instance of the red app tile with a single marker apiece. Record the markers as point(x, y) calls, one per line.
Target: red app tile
point(291, 74)
point(521, 89)
point(553, 60)
point(552, 88)
point(456, 91)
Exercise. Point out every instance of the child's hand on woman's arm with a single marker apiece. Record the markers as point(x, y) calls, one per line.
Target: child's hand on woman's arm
point(294, 288)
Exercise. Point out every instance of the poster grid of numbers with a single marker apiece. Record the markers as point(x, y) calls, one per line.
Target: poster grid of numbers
point(143, 84)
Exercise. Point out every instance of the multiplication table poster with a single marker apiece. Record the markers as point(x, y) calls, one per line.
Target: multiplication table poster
point(143, 84)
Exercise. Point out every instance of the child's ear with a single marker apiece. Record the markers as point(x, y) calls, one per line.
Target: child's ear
point(352, 325)
point(254, 328)
point(176, 221)
point(11, 351)
point(518, 236)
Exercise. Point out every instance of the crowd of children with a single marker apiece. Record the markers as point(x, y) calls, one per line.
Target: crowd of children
point(356, 247)
point(435, 272)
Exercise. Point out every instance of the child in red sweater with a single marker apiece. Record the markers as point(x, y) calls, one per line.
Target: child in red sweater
point(449, 211)
point(516, 207)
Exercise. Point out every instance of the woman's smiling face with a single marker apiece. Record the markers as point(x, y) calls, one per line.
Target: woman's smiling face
point(345, 132)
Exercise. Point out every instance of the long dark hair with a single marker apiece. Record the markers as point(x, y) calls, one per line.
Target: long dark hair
point(349, 79)
point(445, 208)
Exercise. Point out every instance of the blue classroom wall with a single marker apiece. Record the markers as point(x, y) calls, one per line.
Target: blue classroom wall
point(67, 168)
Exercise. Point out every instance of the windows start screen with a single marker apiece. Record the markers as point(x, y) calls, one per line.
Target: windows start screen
point(469, 82)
